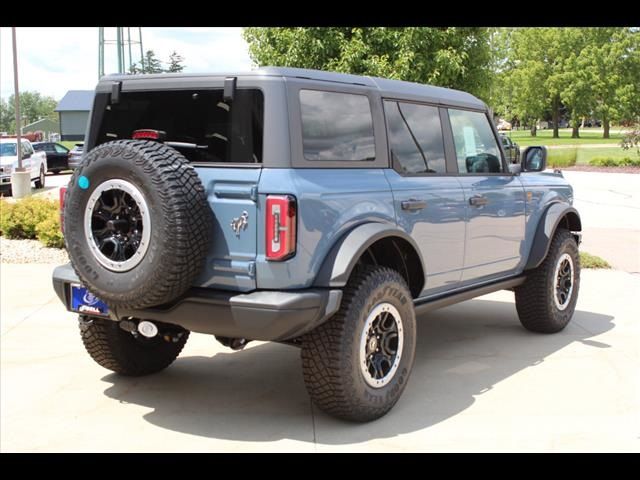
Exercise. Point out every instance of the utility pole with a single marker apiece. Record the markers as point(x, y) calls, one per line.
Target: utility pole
point(20, 178)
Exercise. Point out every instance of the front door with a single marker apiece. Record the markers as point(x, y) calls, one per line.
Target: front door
point(494, 198)
point(429, 204)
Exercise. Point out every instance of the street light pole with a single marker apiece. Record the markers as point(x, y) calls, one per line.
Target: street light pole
point(20, 178)
point(16, 97)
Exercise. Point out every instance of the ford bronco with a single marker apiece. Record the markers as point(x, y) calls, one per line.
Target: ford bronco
point(322, 210)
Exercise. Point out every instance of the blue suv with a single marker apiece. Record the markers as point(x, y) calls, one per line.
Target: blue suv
point(321, 210)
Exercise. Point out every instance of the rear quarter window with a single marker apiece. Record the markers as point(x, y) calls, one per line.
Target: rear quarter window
point(336, 126)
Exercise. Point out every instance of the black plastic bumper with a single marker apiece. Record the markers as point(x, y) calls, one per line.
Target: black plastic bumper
point(260, 315)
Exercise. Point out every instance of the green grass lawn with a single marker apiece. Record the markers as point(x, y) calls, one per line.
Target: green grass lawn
point(69, 144)
point(545, 137)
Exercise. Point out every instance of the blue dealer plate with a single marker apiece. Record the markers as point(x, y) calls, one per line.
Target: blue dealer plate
point(83, 301)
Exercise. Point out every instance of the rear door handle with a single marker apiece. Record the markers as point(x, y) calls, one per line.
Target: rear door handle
point(413, 204)
point(478, 201)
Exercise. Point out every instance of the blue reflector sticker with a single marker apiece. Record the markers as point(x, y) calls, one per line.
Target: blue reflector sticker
point(83, 301)
point(83, 182)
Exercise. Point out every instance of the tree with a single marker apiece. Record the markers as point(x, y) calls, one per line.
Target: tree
point(175, 63)
point(33, 107)
point(610, 61)
point(152, 64)
point(450, 57)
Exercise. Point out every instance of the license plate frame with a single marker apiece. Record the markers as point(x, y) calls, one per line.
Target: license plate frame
point(84, 302)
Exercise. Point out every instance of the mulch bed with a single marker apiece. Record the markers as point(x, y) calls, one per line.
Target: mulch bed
point(590, 168)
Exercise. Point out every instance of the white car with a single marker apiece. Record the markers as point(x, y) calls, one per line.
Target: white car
point(34, 162)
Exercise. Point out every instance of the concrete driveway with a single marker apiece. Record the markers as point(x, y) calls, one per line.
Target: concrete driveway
point(480, 383)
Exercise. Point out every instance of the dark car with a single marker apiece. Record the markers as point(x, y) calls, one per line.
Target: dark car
point(511, 149)
point(57, 155)
point(75, 155)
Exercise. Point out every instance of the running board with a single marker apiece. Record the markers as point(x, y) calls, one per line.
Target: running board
point(439, 302)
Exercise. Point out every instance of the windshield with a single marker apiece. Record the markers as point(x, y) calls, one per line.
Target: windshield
point(8, 150)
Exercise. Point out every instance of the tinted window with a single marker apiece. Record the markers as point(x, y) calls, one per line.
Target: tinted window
point(336, 126)
point(476, 147)
point(60, 149)
point(415, 137)
point(207, 128)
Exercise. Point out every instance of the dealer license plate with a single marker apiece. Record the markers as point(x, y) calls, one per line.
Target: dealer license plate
point(83, 301)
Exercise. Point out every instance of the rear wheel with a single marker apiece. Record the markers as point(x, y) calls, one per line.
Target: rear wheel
point(357, 364)
point(547, 300)
point(127, 353)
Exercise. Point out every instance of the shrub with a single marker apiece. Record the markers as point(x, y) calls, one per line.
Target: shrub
point(592, 261)
point(49, 232)
point(32, 218)
point(561, 157)
point(612, 162)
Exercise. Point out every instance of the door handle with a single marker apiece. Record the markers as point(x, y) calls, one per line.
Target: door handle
point(413, 204)
point(478, 201)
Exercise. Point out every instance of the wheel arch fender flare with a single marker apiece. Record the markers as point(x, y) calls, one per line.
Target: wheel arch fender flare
point(554, 215)
point(344, 255)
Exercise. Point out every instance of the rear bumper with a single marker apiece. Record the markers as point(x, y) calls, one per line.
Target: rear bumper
point(261, 315)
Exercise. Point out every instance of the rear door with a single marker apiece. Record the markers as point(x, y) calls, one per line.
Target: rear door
point(429, 203)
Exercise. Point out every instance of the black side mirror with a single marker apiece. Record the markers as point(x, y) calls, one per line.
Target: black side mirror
point(534, 159)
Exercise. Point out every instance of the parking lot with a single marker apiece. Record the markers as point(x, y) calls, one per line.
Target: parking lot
point(480, 381)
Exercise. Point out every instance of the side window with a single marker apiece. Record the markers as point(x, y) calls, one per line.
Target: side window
point(336, 126)
point(60, 149)
point(476, 147)
point(415, 137)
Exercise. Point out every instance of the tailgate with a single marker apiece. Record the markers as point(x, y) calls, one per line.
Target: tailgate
point(232, 196)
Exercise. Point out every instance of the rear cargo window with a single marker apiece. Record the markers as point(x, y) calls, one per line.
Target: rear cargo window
point(197, 122)
point(336, 126)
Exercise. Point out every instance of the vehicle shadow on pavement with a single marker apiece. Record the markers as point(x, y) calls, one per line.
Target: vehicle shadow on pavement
point(258, 394)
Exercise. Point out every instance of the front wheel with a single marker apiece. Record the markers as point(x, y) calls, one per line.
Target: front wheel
point(357, 364)
point(547, 300)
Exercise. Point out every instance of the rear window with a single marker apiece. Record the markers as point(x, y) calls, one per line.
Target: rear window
point(198, 123)
point(336, 126)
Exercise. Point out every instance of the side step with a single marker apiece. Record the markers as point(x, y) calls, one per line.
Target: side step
point(445, 301)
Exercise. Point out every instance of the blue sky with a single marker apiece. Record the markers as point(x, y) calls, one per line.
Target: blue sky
point(53, 60)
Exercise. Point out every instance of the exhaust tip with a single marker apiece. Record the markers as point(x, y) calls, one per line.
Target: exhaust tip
point(148, 329)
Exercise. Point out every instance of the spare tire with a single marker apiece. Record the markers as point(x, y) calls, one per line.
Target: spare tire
point(137, 225)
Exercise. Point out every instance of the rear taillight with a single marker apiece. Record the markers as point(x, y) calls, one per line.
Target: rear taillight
point(281, 227)
point(148, 134)
point(63, 191)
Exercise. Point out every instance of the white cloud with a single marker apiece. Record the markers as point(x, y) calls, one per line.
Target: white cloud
point(54, 60)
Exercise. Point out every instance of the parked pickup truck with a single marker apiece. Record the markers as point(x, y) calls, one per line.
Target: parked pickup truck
point(32, 161)
point(322, 210)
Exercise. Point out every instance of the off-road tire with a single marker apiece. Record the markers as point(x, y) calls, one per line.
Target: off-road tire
point(180, 218)
point(535, 302)
point(331, 352)
point(39, 182)
point(115, 349)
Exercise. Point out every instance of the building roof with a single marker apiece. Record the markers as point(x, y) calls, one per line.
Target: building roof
point(388, 88)
point(42, 124)
point(76, 101)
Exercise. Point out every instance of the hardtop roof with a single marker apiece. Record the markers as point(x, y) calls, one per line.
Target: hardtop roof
point(387, 87)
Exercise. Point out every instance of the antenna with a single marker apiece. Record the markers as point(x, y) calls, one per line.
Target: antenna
point(124, 61)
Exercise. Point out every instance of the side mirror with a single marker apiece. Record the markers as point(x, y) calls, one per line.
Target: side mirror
point(534, 159)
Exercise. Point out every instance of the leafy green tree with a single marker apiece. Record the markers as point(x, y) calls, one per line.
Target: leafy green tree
point(175, 63)
point(610, 61)
point(33, 106)
point(152, 64)
point(451, 57)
